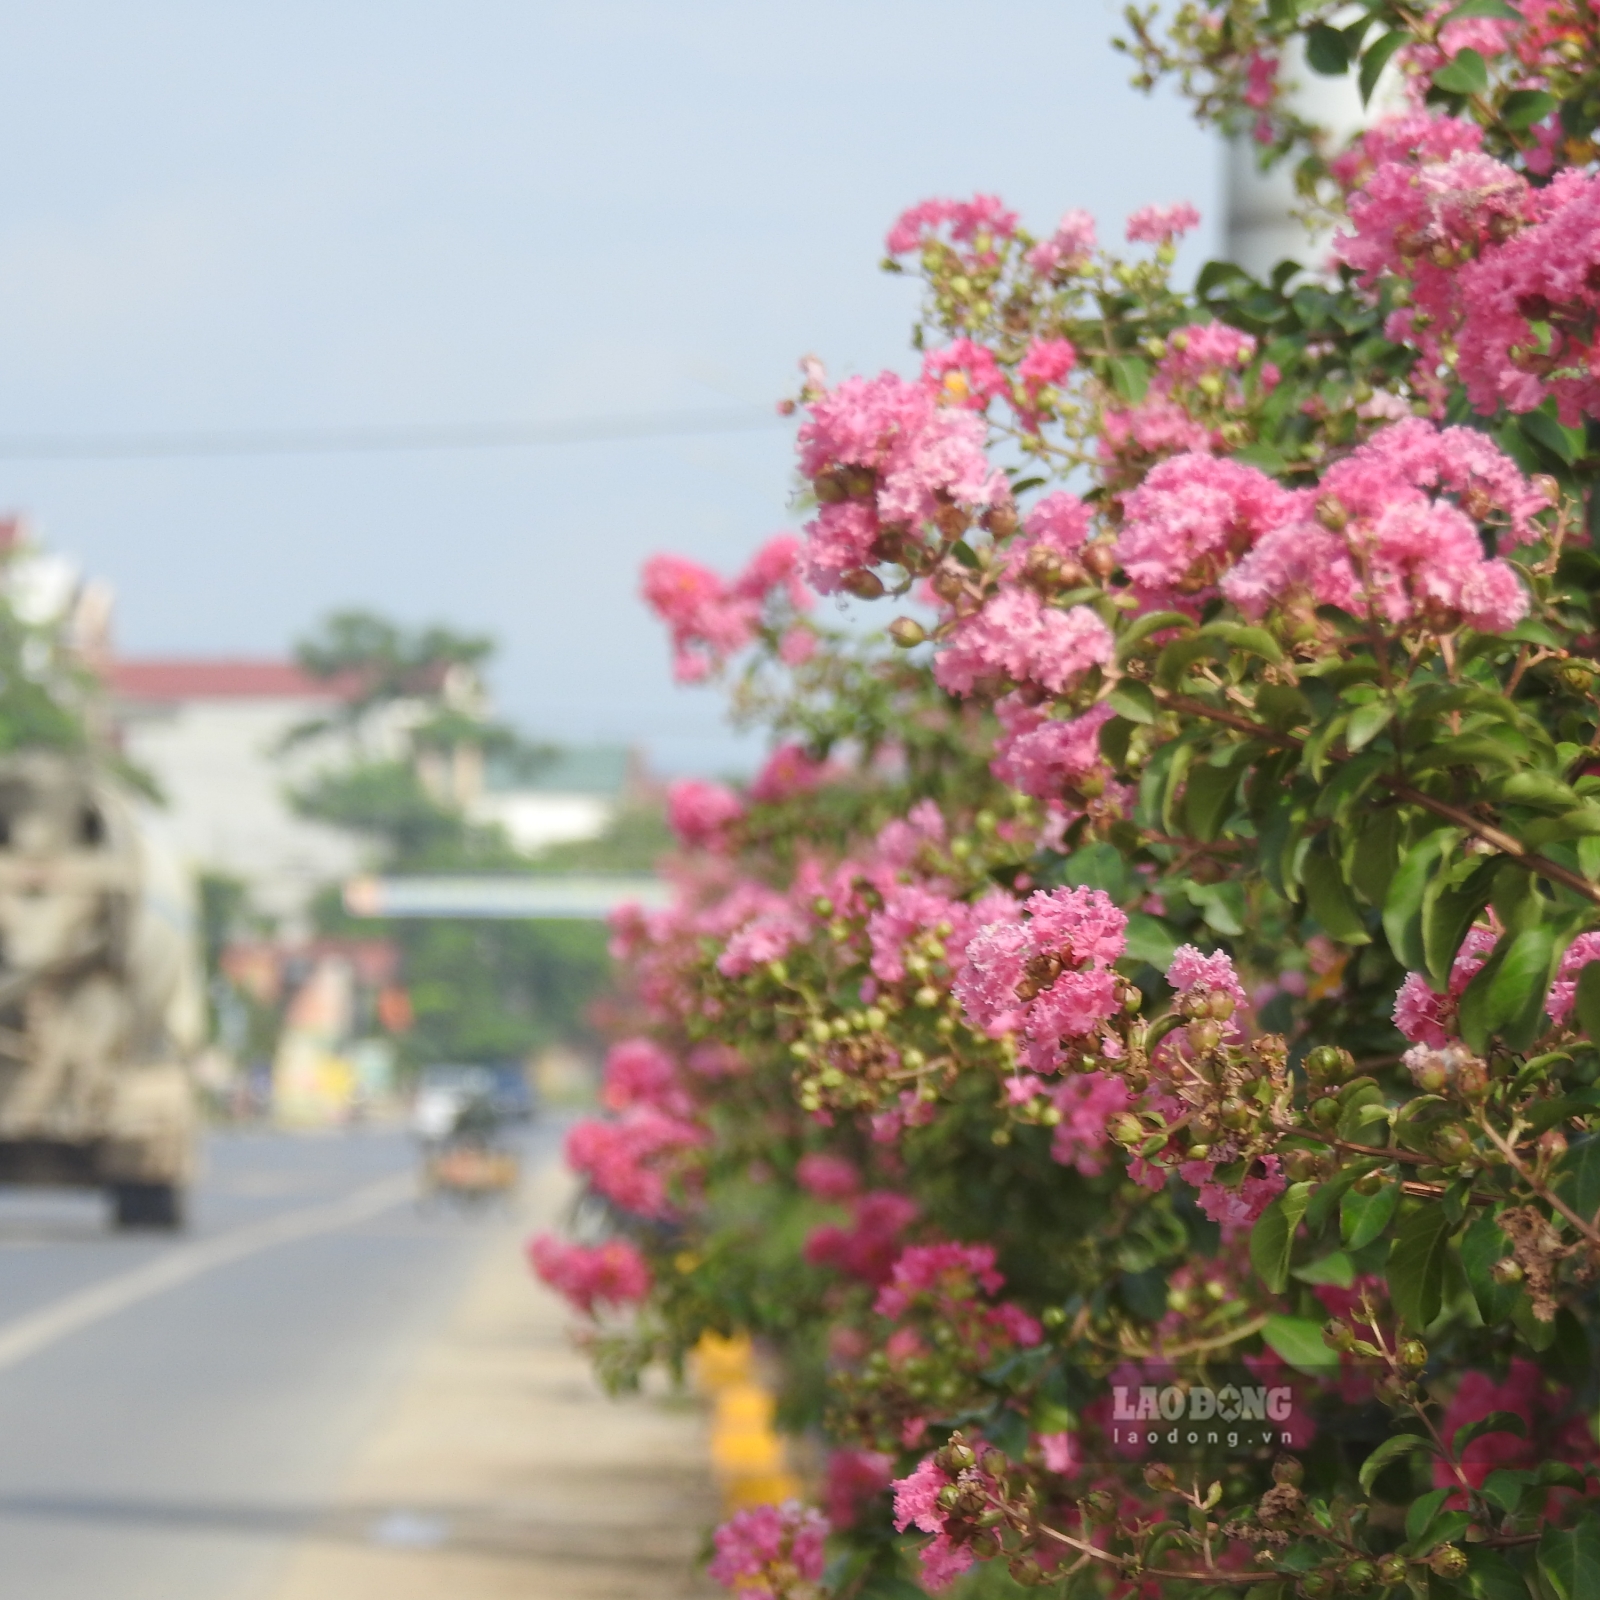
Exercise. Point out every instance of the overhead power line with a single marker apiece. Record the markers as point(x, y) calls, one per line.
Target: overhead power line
point(378, 440)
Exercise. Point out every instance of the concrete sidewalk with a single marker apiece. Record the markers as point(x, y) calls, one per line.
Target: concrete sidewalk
point(501, 1470)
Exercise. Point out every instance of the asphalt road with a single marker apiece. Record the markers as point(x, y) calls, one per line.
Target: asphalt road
point(175, 1412)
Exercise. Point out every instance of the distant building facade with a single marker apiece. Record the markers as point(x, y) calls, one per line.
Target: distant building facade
point(215, 734)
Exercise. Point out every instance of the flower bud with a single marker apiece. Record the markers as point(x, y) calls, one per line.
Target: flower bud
point(1412, 1355)
point(1451, 1143)
point(1026, 1571)
point(984, 1546)
point(957, 1456)
point(907, 632)
point(1392, 1570)
point(1448, 1561)
point(947, 1497)
point(1158, 1475)
point(1099, 559)
point(1369, 1183)
point(1221, 1005)
point(864, 585)
point(1338, 1335)
point(1287, 1470)
point(1126, 1129)
point(1507, 1270)
point(1360, 1574)
point(1099, 1507)
point(1325, 1112)
point(1204, 1034)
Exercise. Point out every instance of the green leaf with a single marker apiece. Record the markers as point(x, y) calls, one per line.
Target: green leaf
point(1208, 801)
point(1523, 107)
point(1373, 860)
point(1482, 1245)
point(1448, 910)
point(1491, 1577)
point(1130, 377)
point(1221, 905)
point(1141, 628)
point(1505, 1485)
point(1376, 59)
point(1150, 940)
point(1299, 1341)
point(1421, 1513)
point(1514, 1003)
point(1402, 906)
point(1238, 636)
point(1569, 1561)
point(1272, 1237)
point(1466, 74)
point(1586, 1006)
point(1336, 1268)
point(1366, 723)
point(1327, 50)
point(1179, 656)
point(1263, 456)
point(1329, 901)
point(1494, 1422)
point(1392, 1448)
point(1363, 1217)
point(1543, 428)
point(1133, 700)
point(1416, 1265)
point(1579, 1184)
point(1482, 8)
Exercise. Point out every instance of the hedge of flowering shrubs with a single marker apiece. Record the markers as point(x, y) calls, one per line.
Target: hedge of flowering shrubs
point(1173, 945)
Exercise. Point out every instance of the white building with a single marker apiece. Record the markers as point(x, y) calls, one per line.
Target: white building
point(214, 734)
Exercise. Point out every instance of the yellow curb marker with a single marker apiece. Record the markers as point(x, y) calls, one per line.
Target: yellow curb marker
point(747, 1454)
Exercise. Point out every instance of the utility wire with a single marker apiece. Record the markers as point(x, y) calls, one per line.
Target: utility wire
point(378, 440)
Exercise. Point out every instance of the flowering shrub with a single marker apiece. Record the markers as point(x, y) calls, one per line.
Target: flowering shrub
point(1175, 944)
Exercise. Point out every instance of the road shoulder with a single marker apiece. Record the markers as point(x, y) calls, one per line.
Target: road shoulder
point(500, 1469)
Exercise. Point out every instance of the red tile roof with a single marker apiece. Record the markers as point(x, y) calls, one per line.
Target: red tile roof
point(182, 678)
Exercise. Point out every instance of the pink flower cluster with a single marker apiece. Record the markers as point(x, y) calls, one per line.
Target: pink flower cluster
point(1049, 976)
point(639, 1072)
point(1019, 637)
point(767, 1552)
point(1556, 1429)
point(965, 219)
point(854, 1478)
point(612, 1274)
point(868, 1249)
point(1162, 224)
point(701, 813)
point(1376, 537)
point(711, 620)
point(1428, 1018)
point(1087, 1102)
point(885, 455)
point(1069, 249)
point(628, 1160)
point(1503, 276)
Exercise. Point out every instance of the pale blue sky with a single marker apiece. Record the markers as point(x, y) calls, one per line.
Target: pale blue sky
point(224, 215)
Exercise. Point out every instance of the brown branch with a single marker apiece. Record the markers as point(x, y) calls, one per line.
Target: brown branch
point(1586, 1229)
point(1504, 842)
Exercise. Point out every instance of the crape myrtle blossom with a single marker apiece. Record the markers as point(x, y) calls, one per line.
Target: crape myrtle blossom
point(1193, 518)
point(1428, 1019)
point(767, 1552)
point(1069, 249)
point(965, 373)
point(868, 1249)
point(1044, 756)
point(639, 1072)
point(1162, 224)
point(711, 620)
point(630, 1160)
point(884, 456)
point(966, 220)
point(609, 1274)
point(1019, 637)
point(1048, 977)
point(854, 1477)
point(700, 813)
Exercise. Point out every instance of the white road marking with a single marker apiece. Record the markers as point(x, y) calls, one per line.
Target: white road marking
point(28, 1335)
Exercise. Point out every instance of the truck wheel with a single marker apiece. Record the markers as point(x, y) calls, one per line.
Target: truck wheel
point(147, 1205)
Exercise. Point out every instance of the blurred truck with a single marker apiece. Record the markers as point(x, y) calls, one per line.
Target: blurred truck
point(101, 998)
